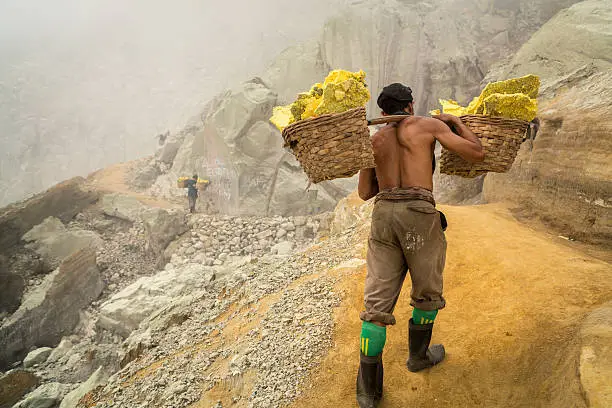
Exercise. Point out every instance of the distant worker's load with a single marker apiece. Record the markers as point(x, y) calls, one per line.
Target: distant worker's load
point(182, 182)
point(202, 184)
point(499, 116)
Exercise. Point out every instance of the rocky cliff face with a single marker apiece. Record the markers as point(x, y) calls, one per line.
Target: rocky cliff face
point(564, 175)
point(440, 49)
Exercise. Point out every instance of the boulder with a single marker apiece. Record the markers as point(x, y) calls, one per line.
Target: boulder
point(167, 152)
point(63, 201)
point(124, 311)
point(53, 242)
point(46, 396)
point(72, 399)
point(596, 357)
point(51, 310)
point(38, 356)
point(349, 212)
point(282, 248)
point(14, 385)
point(46, 229)
point(61, 350)
point(145, 176)
point(161, 228)
point(122, 206)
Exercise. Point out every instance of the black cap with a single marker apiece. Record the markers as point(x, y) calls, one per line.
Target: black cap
point(398, 92)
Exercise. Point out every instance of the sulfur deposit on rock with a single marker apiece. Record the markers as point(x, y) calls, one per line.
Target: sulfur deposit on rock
point(341, 91)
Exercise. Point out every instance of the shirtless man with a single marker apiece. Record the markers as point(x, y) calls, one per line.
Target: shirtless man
point(406, 234)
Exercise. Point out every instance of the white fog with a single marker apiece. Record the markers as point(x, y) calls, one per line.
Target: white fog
point(84, 84)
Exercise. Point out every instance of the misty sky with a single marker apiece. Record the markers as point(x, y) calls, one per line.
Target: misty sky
point(84, 84)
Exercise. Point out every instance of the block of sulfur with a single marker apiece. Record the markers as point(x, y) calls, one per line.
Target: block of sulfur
point(452, 107)
point(281, 117)
point(514, 106)
point(528, 85)
point(342, 96)
point(341, 91)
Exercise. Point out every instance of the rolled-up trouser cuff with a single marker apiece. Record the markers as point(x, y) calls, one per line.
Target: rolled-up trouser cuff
point(378, 317)
point(429, 304)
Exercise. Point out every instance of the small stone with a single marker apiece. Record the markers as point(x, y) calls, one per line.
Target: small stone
point(37, 356)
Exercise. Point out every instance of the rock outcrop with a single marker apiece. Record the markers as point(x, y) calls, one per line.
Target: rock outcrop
point(563, 176)
point(48, 395)
point(62, 201)
point(161, 227)
point(51, 310)
point(53, 242)
point(123, 312)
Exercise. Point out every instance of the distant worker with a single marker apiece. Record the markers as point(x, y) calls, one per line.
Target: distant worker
point(192, 192)
point(407, 234)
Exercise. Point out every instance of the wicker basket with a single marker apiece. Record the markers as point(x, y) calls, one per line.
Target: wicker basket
point(501, 139)
point(331, 146)
point(181, 183)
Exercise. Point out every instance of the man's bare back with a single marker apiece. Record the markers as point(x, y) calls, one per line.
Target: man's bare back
point(403, 152)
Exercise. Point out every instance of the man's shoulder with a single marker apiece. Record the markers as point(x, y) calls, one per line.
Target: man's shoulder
point(420, 121)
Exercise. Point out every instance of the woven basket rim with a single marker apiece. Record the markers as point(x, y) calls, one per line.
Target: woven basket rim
point(494, 118)
point(306, 121)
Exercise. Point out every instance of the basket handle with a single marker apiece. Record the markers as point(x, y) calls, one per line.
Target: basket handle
point(387, 119)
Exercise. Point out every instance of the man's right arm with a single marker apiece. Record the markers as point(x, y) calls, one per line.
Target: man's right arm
point(368, 184)
point(466, 144)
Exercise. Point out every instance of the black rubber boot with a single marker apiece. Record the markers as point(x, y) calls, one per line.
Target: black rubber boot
point(369, 381)
point(421, 355)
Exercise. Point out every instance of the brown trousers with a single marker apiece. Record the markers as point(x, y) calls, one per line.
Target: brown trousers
point(406, 235)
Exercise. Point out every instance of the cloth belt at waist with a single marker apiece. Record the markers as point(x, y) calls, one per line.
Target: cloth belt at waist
point(406, 194)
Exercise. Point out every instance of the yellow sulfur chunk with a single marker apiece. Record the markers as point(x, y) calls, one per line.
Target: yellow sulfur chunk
point(281, 116)
point(471, 108)
point(514, 106)
point(340, 91)
point(342, 96)
point(452, 107)
point(434, 112)
point(339, 75)
point(528, 85)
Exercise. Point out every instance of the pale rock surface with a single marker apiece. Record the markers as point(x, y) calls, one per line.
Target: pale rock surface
point(54, 242)
point(161, 227)
point(51, 310)
point(48, 395)
point(122, 206)
point(282, 248)
point(37, 356)
point(349, 213)
point(124, 311)
point(72, 399)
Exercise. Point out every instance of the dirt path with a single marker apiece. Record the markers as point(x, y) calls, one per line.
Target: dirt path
point(516, 298)
point(113, 179)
